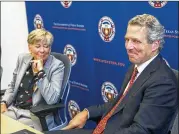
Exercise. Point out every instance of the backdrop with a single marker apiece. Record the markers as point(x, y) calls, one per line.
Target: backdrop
point(92, 35)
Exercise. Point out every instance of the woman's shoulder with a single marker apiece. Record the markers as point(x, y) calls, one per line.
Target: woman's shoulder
point(54, 63)
point(55, 60)
point(23, 56)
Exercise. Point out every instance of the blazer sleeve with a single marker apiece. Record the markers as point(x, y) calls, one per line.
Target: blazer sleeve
point(10, 93)
point(96, 112)
point(100, 110)
point(159, 101)
point(50, 88)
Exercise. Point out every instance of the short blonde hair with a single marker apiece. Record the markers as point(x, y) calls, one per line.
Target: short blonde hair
point(39, 35)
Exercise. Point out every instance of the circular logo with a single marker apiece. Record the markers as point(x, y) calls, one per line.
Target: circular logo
point(106, 29)
point(73, 108)
point(38, 22)
point(70, 51)
point(66, 4)
point(109, 91)
point(157, 4)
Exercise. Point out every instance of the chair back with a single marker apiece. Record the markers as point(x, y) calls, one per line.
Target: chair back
point(174, 124)
point(67, 70)
point(1, 71)
point(61, 115)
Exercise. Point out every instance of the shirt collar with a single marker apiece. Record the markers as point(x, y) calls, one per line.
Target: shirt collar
point(48, 62)
point(141, 67)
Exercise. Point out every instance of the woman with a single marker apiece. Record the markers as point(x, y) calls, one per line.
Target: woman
point(37, 79)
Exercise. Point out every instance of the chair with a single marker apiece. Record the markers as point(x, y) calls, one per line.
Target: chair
point(1, 71)
point(175, 126)
point(41, 111)
point(174, 123)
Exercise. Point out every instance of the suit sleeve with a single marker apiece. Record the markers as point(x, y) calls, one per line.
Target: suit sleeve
point(159, 101)
point(9, 93)
point(51, 88)
point(96, 112)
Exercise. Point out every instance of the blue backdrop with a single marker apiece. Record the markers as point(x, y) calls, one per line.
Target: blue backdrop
point(99, 59)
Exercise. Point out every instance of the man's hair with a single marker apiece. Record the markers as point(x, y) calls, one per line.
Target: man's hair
point(39, 35)
point(155, 31)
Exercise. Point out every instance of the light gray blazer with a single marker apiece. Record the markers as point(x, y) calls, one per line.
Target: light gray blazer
point(48, 88)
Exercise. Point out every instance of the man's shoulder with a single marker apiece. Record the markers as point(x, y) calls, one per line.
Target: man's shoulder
point(164, 72)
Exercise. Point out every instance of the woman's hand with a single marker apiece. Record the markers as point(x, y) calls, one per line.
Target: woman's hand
point(3, 107)
point(37, 65)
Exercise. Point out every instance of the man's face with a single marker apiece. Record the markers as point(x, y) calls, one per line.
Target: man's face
point(40, 50)
point(138, 49)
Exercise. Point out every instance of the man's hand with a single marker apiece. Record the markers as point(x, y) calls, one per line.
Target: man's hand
point(78, 121)
point(3, 107)
point(37, 65)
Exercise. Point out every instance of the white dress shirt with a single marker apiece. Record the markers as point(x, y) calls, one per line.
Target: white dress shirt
point(140, 68)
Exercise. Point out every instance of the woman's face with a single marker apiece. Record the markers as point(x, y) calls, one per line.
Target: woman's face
point(40, 50)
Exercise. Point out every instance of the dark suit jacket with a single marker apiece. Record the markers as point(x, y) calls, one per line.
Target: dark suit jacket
point(149, 105)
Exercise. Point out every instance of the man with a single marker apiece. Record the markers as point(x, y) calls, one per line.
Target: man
point(147, 101)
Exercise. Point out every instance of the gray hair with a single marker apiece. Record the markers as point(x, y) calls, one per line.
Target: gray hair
point(155, 31)
point(39, 35)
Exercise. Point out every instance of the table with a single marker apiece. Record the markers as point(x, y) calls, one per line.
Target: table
point(9, 125)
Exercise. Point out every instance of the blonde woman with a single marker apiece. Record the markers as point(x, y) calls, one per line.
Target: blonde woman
point(37, 79)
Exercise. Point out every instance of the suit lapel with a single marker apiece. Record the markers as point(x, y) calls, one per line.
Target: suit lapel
point(48, 63)
point(125, 82)
point(126, 79)
point(24, 66)
point(143, 77)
